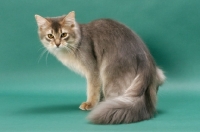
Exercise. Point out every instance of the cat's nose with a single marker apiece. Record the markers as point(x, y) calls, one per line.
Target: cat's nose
point(57, 45)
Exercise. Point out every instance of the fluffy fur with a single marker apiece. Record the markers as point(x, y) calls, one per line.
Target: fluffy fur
point(113, 59)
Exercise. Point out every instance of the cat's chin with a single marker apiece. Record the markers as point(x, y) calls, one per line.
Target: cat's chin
point(56, 50)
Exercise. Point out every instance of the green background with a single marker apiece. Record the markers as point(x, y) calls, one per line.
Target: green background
point(40, 94)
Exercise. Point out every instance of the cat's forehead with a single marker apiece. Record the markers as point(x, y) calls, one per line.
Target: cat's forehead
point(57, 27)
point(55, 23)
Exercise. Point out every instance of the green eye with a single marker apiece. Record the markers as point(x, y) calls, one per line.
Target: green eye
point(64, 35)
point(50, 36)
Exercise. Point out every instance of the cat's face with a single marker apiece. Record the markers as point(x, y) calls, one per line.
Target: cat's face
point(59, 33)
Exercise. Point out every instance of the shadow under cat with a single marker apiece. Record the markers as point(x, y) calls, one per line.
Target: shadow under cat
point(51, 109)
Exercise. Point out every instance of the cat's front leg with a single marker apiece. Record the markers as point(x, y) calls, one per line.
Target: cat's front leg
point(93, 92)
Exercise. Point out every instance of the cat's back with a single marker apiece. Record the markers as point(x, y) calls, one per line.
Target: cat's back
point(110, 31)
point(104, 22)
point(107, 25)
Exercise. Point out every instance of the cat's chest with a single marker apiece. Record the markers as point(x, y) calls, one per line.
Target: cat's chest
point(72, 62)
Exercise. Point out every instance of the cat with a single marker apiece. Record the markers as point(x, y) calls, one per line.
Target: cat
point(115, 62)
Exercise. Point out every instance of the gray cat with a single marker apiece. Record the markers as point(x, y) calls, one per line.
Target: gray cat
point(114, 61)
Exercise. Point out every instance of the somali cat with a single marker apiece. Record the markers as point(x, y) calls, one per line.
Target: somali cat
point(114, 61)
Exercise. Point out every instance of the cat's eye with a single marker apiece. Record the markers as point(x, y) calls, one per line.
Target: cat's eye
point(50, 36)
point(64, 35)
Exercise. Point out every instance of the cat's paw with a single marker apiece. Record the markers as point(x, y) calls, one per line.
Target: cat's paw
point(86, 106)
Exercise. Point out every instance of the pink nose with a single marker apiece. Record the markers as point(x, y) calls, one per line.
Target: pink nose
point(57, 42)
point(58, 45)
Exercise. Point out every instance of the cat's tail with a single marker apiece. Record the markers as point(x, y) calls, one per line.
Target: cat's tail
point(131, 106)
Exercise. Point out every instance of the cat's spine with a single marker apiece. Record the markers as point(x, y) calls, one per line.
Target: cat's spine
point(129, 107)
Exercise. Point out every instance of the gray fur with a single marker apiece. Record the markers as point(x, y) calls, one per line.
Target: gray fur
point(117, 112)
point(113, 57)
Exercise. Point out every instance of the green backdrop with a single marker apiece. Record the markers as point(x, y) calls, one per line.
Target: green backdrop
point(40, 94)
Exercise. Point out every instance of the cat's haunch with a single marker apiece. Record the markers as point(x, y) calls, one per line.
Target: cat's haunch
point(113, 59)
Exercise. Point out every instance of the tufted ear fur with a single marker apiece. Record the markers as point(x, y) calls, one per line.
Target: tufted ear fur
point(69, 19)
point(41, 21)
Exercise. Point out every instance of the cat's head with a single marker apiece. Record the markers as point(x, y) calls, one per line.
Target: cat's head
point(58, 33)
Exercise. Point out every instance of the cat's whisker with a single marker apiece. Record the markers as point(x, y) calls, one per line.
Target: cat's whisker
point(47, 56)
point(72, 49)
point(41, 48)
point(79, 52)
point(40, 57)
point(68, 49)
point(75, 48)
point(81, 55)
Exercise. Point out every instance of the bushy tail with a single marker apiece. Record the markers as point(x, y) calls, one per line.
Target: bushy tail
point(131, 106)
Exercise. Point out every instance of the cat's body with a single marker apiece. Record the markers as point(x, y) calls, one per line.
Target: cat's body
point(113, 59)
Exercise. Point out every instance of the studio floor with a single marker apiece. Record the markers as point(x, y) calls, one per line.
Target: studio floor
point(45, 109)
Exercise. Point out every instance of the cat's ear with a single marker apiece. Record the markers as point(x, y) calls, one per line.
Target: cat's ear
point(69, 19)
point(41, 21)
